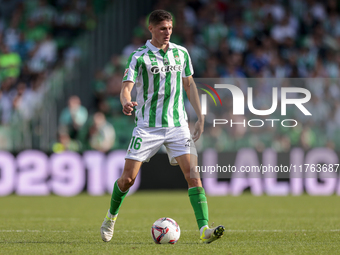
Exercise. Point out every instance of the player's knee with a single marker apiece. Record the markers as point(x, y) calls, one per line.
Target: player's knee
point(126, 182)
point(190, 174)
point(187, 175)
point(194, 182)
point(129, 182)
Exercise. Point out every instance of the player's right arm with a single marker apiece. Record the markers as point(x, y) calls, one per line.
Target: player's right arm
point(125, 97)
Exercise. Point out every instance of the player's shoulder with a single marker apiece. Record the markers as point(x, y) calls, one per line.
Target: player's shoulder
point(179, 47)
point(139, 52)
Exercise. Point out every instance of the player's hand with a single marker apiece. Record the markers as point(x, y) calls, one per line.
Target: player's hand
point(128, 108)
point(199, 127)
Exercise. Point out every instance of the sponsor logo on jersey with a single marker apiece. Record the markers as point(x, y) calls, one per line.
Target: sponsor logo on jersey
point(166, 69)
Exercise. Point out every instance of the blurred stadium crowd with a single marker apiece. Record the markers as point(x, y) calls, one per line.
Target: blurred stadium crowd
point(36, 36)
point(225, 39)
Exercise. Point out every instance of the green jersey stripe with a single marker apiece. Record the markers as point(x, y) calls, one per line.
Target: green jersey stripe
point(156, 80)
point(187, 70)
point(167, 91)
point(145, 84)
point(136, 69)
point(178, 90)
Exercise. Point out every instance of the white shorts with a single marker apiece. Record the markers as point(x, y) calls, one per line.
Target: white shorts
point(146, 141)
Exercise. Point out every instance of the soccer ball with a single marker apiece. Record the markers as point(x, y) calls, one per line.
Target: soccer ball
point(165, 230)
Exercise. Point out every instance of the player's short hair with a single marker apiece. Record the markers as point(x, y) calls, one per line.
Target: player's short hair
point(158, 16)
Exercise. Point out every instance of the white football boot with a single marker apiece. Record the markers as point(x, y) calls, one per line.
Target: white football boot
point(212, 234)
point(107, 227)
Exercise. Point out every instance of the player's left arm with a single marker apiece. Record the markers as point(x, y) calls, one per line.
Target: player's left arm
point(191, 90)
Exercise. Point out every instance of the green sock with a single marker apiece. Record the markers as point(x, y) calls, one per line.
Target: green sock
point(117, 198)
point(200, 205)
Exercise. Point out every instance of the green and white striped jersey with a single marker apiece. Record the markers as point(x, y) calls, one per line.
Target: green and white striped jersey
point(158, 80)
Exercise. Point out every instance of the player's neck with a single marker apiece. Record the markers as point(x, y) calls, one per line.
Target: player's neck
point(164, 47)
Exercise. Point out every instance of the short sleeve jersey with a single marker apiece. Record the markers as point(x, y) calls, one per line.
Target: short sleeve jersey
point(158, 80)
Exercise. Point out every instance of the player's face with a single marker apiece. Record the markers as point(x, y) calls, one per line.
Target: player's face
point(161, 33)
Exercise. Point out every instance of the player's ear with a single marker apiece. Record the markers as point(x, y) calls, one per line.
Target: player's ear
point(150, 27)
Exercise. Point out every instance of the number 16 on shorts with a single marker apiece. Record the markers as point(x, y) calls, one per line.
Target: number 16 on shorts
point(135, 143)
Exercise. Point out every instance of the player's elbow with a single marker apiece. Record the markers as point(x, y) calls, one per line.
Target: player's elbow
point(186, 84)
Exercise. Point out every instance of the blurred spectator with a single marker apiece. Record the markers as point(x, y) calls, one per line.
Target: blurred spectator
point(6, 142)
point(214, 33)
point(128, 49)
point(114, 84)
point(44, 15)
point(22, 103)
point(112, 66)
point(65, 143)
point(73, 117)
point(99, 86)
point(275, 9)
point(10, 63)
point(12, 33)
point(308, 138)
point(68, 22)
point(43, 55)
point(283, 30)
point(34, 33)
point(71, 56)
point(23, 47)
point(197, 52)
point(101, 134)
point(142, 30)
point(5, 109)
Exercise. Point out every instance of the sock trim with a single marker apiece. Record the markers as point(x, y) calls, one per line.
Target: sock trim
point(195, 187)
point(112, 215)
point(123, 192)
point(196, 190)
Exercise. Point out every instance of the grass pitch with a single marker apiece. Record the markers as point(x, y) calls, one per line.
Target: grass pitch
point(254, 225)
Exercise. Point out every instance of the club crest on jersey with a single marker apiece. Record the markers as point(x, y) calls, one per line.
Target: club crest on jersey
point(166, 69)
point(177, 58)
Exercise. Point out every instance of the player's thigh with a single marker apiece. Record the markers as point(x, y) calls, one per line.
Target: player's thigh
point(178, 142)
point(145, 142)
point(188, 163)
